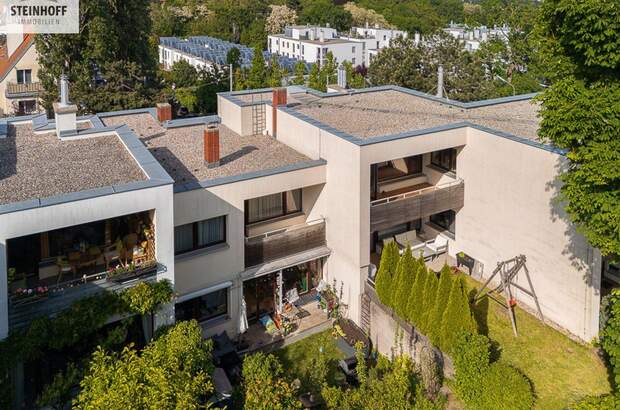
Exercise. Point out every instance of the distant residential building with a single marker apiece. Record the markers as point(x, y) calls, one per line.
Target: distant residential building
point(19, 84)
point(204, 52)
point(374, 39)
point(473, 37)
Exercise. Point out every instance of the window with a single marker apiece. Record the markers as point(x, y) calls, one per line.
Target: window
point(272, 206)
point(353, 49)
point(445, 159)
point(24, 76)
point(399, 168)
point(353, 61)
point(199, 235)
point(27, 107)
point(444, 220)
point(203, 308)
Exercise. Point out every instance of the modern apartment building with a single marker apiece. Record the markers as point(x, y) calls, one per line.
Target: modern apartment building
point(471, 38)
point(281, 191)
point(19, 85)
point(374, 39)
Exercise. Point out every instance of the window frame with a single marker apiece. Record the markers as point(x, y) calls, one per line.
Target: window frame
point(284, 203)
point(207, 318)
point(195, 245)
point(26, 74)
point(451, 228)
point(452, 155)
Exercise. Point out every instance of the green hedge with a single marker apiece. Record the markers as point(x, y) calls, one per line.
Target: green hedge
point(608, 402)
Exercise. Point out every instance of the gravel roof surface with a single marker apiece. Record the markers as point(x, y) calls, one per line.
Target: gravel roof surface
point(40, 165)
point(180, 150)
point(389, 112)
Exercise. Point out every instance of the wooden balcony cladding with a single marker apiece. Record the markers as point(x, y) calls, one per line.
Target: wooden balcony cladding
point(284, 242)
point(388, 212)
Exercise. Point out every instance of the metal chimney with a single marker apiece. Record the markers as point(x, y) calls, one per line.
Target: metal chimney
point(64, 90)
point(342, 76)
point(440, 81)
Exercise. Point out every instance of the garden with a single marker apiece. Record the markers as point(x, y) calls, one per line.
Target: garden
point(541, 368)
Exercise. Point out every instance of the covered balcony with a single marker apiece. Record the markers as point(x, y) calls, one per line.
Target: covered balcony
point(50, 270)
point(277, 226)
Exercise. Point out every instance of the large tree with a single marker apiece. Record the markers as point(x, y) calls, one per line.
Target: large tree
point(109, 62)
point(581, 112)
point(173, 371)
point(322, 12)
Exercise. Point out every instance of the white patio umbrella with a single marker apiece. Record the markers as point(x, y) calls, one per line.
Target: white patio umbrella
point(243, 317)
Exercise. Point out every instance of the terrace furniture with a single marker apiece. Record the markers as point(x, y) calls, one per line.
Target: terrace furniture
point(383, 244)
point(405, 239)
point(431, 249)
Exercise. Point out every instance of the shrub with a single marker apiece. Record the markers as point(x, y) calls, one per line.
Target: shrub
point(457, 317)
point(405, 275)
point(433, 322)
point(264, 385)
point(610, 336)
point(607, 402)
point(416, 300)
point(387, 268)
point(506, 387)
point(471, 361)
point(430, 292)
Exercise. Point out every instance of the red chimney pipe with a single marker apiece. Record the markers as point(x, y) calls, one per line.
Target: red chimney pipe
point(212, 146)
point(278, 98)
point(164, 112)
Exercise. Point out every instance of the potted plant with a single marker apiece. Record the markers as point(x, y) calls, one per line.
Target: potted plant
point(462, 259)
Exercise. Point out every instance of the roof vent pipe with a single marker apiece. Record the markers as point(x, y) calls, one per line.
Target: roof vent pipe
point(440, 81)
point(322, 36)
point(342, 76)
point(64, 90)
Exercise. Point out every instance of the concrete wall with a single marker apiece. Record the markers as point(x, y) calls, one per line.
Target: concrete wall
point(510, 210)
point(48, 218)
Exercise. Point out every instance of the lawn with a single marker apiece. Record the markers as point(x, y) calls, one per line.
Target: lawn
point(561, 370)
point(298, 357)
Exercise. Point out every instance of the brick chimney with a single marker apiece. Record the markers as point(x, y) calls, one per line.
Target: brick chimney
point(212, 146)
point(279, 98)
point(164, 112)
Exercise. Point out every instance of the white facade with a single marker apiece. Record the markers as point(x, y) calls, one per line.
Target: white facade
point(471, 38)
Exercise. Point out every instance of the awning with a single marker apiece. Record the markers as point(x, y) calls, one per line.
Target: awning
point(287, 262)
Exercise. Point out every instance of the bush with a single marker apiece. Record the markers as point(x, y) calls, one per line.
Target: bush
point(610, 336)
point(471, 361)
point(457, 316)
point(387, 269)
point(264, 385)
point(607, 402)
point(405, 276)
point(506, 387)
point(433, 322)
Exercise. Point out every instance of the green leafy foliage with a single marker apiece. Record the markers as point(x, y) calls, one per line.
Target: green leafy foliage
point(610, 335)
point(183, 74)
point(173, 371)
point(354, 79)
point(433, 322)
point(314, 79)
point(300, 72)
point(146, 297)
point(257, 75)
point(457, 317)
point(264, 385)
point(581, 112)
point(322, 12)
point(607, 402)
point(57, 394)
point(484, 385)
point(386, 272)
point(234, 57)
point(415, 306)
point(430, 292)
point(405, 276)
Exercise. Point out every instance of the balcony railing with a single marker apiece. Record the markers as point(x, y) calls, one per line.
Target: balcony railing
point(284, 242)
point(23, 90)
point(409, 206)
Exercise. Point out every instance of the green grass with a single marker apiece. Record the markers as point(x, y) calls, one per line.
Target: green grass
point(561, 370)
point(298, 357)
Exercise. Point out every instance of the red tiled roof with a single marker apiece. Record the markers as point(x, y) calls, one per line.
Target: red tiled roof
point(7, 65)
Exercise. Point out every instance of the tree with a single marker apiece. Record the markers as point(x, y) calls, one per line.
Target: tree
point(457, 317)
point(108, 63)
point(405, 276)
point(300, 72)
point(323, 12)
point(328, 73)
point(234, 57)
point(433, 322)
point(354, 79)
point(257, 76)
point(361, 16)
point(581, 112)
point(280, 17)
point(183, 74)
point(416, 299)
point(276, 73)
point(430, 292)
point(173, 371)
point(314, 79)
point(385, 274)
point(264, 386)
point(57, 394)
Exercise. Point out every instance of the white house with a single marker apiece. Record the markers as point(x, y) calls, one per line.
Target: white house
point(471, 38)
point(374, 39)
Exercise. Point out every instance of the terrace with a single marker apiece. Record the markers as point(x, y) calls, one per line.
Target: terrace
point(49, 270)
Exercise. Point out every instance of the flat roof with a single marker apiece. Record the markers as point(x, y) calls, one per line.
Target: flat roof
point(41, 165)
point(180, 150)
point(381, 112)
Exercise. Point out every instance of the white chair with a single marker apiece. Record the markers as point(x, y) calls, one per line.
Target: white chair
point(439, 245)
point(432, 248)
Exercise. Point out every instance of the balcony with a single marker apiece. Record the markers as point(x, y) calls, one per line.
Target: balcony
point(284, 242)
point(415, 202)
point(15, 90)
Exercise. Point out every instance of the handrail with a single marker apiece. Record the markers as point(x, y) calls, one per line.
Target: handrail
point(416, 192)
point(285, 229)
